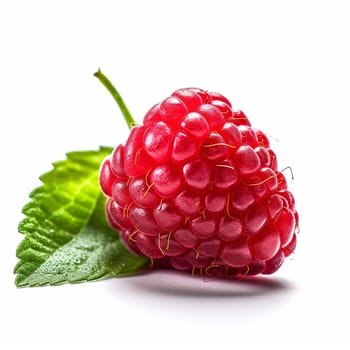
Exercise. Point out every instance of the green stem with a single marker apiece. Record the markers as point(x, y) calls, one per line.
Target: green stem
point(114, 92)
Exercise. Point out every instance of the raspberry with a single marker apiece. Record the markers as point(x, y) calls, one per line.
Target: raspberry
point(198, 187)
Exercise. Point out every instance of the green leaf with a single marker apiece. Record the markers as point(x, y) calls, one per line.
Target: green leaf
point(67, 237)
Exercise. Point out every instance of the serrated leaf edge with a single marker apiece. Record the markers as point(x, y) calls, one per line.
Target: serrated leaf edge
point(22, 263)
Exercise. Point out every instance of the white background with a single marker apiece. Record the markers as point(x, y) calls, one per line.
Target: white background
point(282, 62)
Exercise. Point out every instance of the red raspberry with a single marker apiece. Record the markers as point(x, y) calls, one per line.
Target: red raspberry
point(197, 186)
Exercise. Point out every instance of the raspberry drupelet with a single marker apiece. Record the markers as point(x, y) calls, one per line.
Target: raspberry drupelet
point(198, 187)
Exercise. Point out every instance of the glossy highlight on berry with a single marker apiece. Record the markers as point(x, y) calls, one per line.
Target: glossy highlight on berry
point(196, 186)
